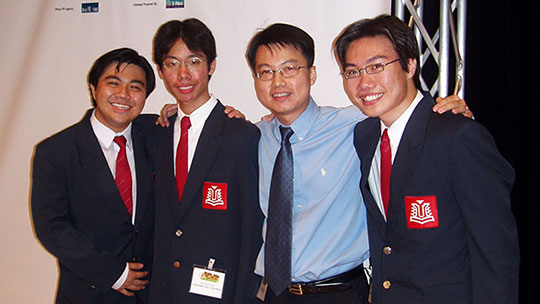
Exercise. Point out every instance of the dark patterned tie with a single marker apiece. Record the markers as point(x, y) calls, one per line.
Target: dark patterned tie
point(386, 169)
point(277, 255)
point(123, 174)
point(182, 157)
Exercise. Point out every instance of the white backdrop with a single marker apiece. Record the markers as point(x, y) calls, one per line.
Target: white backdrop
point(46, 49)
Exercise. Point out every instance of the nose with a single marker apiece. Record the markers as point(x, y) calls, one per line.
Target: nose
point(278, 79)
point(183, 71)
point(123, 92)
point(365, 81)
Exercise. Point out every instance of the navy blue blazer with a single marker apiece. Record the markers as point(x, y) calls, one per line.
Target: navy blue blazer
point(79, 215)
point(191, 232)
point(463, 247)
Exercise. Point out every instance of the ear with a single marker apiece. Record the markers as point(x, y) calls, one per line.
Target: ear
point(411, 67)
point(160, 73)
point(312, 75)
point(212, 67)
point(93, 91)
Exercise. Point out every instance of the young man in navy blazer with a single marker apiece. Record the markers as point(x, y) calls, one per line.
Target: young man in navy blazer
point(208, 221)
point(101, 237)
point(441, 229)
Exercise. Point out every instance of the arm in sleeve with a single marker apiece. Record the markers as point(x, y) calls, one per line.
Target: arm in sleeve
point(251, 218)
point(50, 204)
point(482, 181)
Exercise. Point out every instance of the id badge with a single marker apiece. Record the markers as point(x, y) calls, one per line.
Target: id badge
point(207, 281)
point(261, 293)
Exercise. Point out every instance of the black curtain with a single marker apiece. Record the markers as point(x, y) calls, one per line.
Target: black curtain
point(501, 88)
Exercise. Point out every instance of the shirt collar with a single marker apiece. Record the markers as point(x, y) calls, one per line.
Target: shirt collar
point(106, 135)
point(300, 125)
point(199, 116)
point(395, 131)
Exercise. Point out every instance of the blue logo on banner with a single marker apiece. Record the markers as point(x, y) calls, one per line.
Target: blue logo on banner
point(174, 4)
point(90, 7)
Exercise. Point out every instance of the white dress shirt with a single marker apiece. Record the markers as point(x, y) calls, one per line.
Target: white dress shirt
point(197, 118)
point(395, 131)
point(110, 150)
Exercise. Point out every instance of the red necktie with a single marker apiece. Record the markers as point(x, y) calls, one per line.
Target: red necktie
point(182, 157)
point(386, 169)
point(123, 175)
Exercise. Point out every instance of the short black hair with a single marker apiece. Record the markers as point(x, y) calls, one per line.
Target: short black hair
point(119, 57)
point(400, 35)
point(281, 34)
point(195, 34)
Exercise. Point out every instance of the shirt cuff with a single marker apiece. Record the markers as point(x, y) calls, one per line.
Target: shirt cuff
point(122, 279)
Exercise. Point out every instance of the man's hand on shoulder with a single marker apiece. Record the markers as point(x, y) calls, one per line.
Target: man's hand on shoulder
point(169, 110)
point(234, 113)
point(453, 103)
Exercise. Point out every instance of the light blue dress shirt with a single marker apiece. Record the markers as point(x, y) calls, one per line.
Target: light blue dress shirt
point(329, 217)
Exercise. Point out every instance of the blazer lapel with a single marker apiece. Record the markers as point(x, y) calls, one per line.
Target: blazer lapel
point(93, 162)
point(366, 138)
point(205, 153)
point(407, 154)
point(164, 163)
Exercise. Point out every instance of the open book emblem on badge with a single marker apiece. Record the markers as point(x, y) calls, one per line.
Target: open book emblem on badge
point(421, 213)
point(213, 197)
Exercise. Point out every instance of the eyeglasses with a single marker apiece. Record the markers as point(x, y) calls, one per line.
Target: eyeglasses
point(192, 63)
point(370, 69)
point(286, 72)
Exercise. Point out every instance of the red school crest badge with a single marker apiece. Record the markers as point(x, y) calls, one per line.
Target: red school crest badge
point(214, 196)
point(421, 212)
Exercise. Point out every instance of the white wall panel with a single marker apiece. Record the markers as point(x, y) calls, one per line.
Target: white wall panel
point(46, 49)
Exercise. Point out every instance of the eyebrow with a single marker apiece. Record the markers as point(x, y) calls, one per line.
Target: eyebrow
point(139, 82)
point(113, 77)
point(286, 62)
point(371, 60)
point(189, 56)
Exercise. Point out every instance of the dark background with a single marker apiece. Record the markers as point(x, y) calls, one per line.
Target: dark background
point(501, 88)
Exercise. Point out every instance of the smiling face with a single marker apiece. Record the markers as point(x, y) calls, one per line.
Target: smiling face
point(387, 94)
point(286, 98)
point(120, 95)
point(189, 86)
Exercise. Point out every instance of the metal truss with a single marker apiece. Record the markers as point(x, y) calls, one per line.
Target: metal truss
point(448, 14)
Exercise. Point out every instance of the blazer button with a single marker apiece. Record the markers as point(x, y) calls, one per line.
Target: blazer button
point(386, 284)
point(178, 233)
point(387, 250)
point(176, 264)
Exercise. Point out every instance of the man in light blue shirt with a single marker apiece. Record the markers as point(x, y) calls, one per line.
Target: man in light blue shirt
point(329, 218)
point(329, 229)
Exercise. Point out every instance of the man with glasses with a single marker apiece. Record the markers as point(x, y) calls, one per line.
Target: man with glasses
point(314, 251)
point(208, 221)
point(436, 189)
